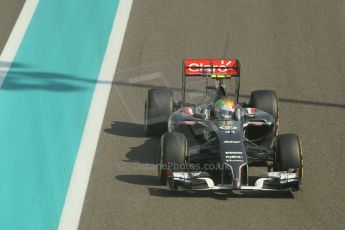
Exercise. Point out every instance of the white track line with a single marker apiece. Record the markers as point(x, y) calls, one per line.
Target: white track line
point(15, 39)
point(82, 168)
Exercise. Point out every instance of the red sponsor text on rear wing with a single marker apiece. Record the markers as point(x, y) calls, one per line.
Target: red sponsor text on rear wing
point(211, 67)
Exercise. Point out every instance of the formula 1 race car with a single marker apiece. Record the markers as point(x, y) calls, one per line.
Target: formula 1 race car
point(209, 142)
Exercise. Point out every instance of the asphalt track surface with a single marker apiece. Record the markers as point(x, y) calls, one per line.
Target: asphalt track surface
point(294, 47)
point(9, 11)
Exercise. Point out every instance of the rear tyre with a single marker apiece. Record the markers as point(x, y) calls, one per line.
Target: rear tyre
point(158, 107)
point(173, 152)
point(289, 155)
point(265, 100)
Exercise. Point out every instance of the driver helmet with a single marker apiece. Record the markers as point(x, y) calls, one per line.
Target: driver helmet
point(224, 108)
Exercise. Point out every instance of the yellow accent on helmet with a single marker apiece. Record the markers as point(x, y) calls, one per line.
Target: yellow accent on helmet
point(228, 102)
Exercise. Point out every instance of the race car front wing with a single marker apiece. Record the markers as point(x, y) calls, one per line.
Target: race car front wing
point(269, 181)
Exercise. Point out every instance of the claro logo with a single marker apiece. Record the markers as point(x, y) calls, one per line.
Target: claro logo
point(206, 66)
point(199, 67)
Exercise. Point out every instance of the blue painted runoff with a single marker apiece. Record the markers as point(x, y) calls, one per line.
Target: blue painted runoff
point(44, 104)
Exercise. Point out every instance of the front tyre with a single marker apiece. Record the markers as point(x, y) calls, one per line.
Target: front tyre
point(173, 152)
point(289, 155)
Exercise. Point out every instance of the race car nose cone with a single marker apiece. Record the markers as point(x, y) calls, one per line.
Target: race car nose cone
point(236, 183)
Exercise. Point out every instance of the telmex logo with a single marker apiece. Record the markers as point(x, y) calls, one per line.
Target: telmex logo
point(206, 66)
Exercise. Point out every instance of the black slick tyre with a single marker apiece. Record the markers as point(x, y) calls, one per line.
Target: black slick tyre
point(158, 107)
point(289, 155)
point(172, 154)
point(265, 100)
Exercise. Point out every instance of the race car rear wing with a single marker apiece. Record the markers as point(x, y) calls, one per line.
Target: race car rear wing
point(213, 68)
